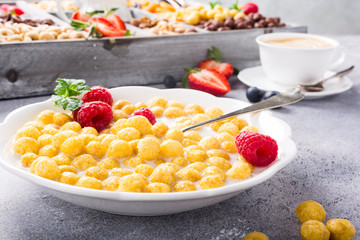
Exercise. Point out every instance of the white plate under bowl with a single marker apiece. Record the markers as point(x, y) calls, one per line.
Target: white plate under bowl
point(150, 204)
point(256, 77)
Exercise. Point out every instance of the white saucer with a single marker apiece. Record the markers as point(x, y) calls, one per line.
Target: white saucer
point(256, 77)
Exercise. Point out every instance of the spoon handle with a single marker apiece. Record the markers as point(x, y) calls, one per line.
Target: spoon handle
point(338, 74)
point(290, 96)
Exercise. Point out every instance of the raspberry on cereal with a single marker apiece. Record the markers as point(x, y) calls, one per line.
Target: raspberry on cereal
point(146, 113)
point(95, 114)
point(98, 93)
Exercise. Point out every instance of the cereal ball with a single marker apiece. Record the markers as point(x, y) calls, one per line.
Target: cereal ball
point(38, 125)
point(175, 103)
point(182, 125)
point(108, 139)
point(250, 129)
point(200, 118)
point(216, 125)
point(340, 229)
point(47, 168)
point(120, 104)
point(225, 136)
point(219, 162)
point(174, 112)
point(88, 138)
point(193, 135)
point(240, 123)
point(90, 182)
point(194, 147)
point(74, 126)
point(172, 165)
point(141, 123)
point(119, 114)
point(159, 129)
point(212, 181)
point(95, 149)
point(229, 147)
point(159, 161)
point(314, 230)
point(229, 128)
point(27, 159)
point(45, 139)
point(132, 183)
point(140, 105)
point(158, 111)
point(198, 166)
point(212, 170)
point(60, 137)
point(69, 178)
point(186, 142)
point(46, 117)
point(49, 130)
point(28, 131)
point(255, 236)
point(133, 162)
point(26, 145)
point(163, 174)
point(134, 144)
point(152, 136)
point(209, 142)
point(180, 161)
point(73, 146)
point(189, 174)
point(129, 134)
point(148, 149)
point(144, 169)
point(89, 130)
point(157, 188)
point(84, 162)
point(60, 119)
point(310, 210)
point(120, 172)
point(112, 183)
point(97, 172)
point(196, 156)
point(119, 125)
point(218, 153)
point(184, 186)
point(33, 164)
point(194, 109)
point(214, 112)
point(157, 101)
point(239, 170)
point(48, 151)
point(62, 160)
point(171, 148)
point(109, 163)
point(67, 168)
point(119, 149)
point(129, 109)
point(174, 134)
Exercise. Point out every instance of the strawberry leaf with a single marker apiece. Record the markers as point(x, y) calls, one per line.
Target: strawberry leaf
point(128, 33)
point(95, 12)
point(235, 6)
point(79, 25)
point(214, 54)
point(94, 32)
point(213, 4)
point(112, 10)
point(185, 81)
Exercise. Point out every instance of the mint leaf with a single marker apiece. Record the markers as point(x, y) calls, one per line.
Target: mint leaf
point(95, 12)
point(213, 4)
point(215, 54)
point(112, 10)
point(235, 6)
point(67, 103)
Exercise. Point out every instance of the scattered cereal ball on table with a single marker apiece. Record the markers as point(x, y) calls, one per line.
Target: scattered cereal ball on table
point(340, 229)
point(157, 188)
point(171, 148)
point(48, 151)
point(146, 113)
point(109, 163)
point(159, 129)
point(314, 230)
point(62, 160)
point(132, 183)
point(212, 181)
point(310, 210)
point(61, 118)
point(163, 174)
point(184, 186)
point(119, 149)
point(255, 236)
point(196, 155)
point(189, 174)
point(120, 172)
point(90, 182)
point(84, 162)
point(141, 123)
point(73, 146)
point(239, 170)
point(194, 109)
point(213, 170)
point(219, 162)
point(144, 169)
point(47, 168)
point(67, 168)
point(209, 142)
point(26, 145)
point(27, 159)
point(46, 117)
point(73, 126)
point(148, 149)
point(69, 178)
point(60, 137)
point(112, 183)
point(28, 131)
point(157, 101)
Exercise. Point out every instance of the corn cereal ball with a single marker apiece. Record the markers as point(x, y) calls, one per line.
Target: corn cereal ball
point(134, 144)
point(48, 151)
point(193, 135)
point(132, 183)
point(255, 236)
point(73, 146)
point(200, 118)
point(180, 161)
point(194, 147)
point(28, 131)
point(174, 134)
point(69, 178)
point(109, 163)
point(108, 139)
point(47, 168)
point(198, 166)
point(89, 130)
point(196, 155)
point(60, 137)
point(119, 149)
point(129, 134)
point(250, 129)
point(45, 139)
point(61, 118)
point(83, 162)
point(212, 181)
point(159, 161)
point(88, 138)
point(219, 162)
point(33, 164)
point(49, 130)
point(133, 162)
point(212, 170)
point(213, 112)
point(118, 114)
point(216, 125)
point(194, 109)
point(163, 174)
point(174, 112)
point(62, 160)
point(310, 210)
point(74, 126)
point(120, 104)
point(97, 172)
point(157, 101)
point(67, 168)
point(96, 149)
point(189, 174)
point(209, 142)
point(229, 128)
point(129, 109)
point(159, 129)
point(314, 230)
point(26, 145)
point(172, 165)
point(157, 188)
point(148, 149)
point(240, 123)
point(90, 182)
point(144, 169)
point(171, 148)
point(46, 117)
point(38, 125)
point(119, 125)
point(225, 136)
point(239, 170)
point(141, 123)
point(112, 183)
point(186, 142)
point(184, 186)
point(27, 159)
point(218, 153)
point(141, 105)
point(340, 229)
point(120, 172)
point(229, 147)
point(158, 111)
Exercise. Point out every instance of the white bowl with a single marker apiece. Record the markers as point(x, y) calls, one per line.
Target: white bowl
point(150, 204)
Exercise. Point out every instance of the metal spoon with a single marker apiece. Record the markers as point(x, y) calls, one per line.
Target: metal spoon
point(319, 86)
point(292, 95)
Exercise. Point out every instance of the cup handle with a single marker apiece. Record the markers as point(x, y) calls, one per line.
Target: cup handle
point(61, 13)
point(340, 60)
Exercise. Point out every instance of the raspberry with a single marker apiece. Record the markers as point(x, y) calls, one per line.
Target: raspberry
point(98, 93)
point(75, 113)
point(95, 114)
point(258, 149)
point(146, 113)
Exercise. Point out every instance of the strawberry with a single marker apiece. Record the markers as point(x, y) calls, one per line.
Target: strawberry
point(250, 8)
point(116, 21)
point(208, 80)
point(83, 17)
point(104, 27)
point(215, 63)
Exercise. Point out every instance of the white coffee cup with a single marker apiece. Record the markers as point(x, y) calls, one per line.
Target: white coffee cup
point(297, 65)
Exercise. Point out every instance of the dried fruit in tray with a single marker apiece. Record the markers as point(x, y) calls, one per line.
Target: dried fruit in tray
point(50, 6)
point(161, 27)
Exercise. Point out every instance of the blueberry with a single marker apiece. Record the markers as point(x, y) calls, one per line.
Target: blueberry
point(254, 94)
point(169, 82)
point(270, 94)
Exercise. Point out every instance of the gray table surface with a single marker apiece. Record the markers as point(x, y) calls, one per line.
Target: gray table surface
point(326, 169)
